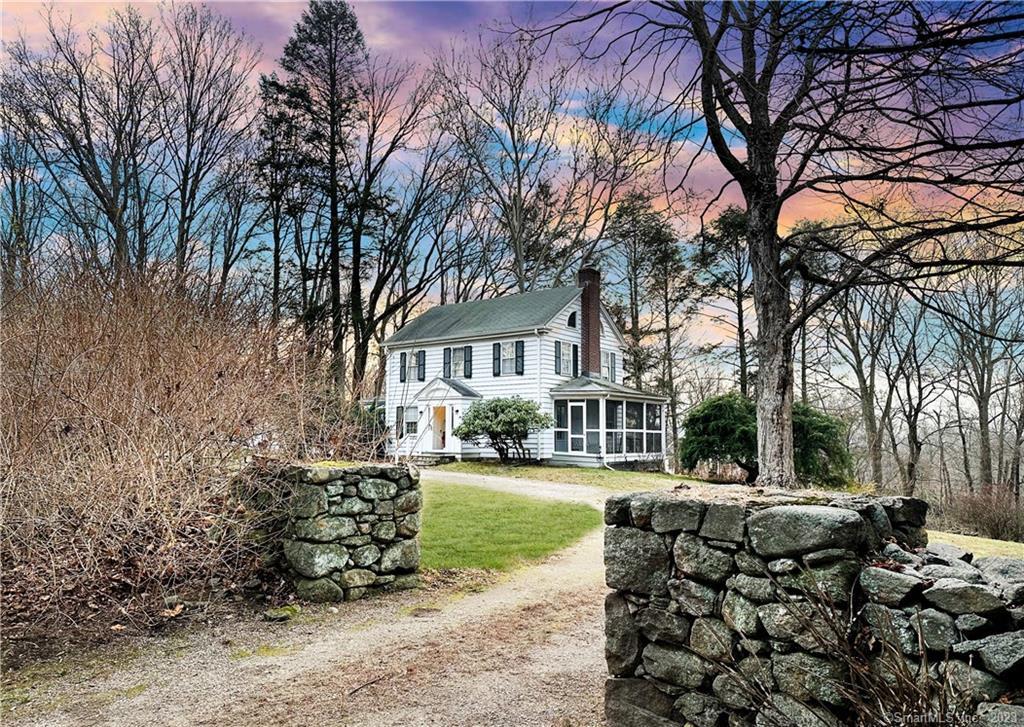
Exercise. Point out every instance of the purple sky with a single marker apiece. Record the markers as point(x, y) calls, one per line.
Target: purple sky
point(409, 30)
point(412, 30)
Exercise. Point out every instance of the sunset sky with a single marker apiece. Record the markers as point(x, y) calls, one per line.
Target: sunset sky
point(411, 30)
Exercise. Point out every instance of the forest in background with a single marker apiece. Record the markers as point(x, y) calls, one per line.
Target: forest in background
point(200, 262)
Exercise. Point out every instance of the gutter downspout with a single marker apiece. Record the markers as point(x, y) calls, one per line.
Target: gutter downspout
point(540, 382)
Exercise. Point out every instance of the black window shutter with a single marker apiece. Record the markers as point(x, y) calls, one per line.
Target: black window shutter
point(520, 355)
point(402, 362)
point(467, 362)
point(447, 363)
point(399, 421)
point(575, 360)
point(558, 357)
point(421, 365)
point(613, 366)
point(497, 359)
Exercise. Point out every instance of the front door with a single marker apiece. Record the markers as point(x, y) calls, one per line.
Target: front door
point(440, 425)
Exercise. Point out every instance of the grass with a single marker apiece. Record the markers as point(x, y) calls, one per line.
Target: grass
point(469, 527)
point(979, 546)
point(631, 481)
point(614, 480)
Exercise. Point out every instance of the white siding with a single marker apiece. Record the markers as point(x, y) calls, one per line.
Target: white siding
point(483, 381)
point(535, 383)
point(560, 330)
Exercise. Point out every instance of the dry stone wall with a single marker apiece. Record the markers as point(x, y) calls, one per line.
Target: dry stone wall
point(352, 529)
point(743, 607)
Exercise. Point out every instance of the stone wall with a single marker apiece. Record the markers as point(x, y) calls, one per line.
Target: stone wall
point(733, 606)
point(352, 529)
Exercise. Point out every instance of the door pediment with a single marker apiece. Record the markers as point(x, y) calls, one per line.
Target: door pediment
point(441, 389)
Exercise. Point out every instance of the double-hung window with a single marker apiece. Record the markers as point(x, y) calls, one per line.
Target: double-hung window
point(411, 416)
point(608, 365)
point(508, 358)
point(458, 362)
point(566, 365)
point(412, 365)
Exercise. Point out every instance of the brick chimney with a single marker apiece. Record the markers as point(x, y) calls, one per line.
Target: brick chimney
point(590, 320)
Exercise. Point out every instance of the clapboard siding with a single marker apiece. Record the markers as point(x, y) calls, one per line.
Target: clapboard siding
point(535, 383)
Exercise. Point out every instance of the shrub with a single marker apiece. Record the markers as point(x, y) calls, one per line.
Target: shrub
point(503, 424)
point(995, 514)
point(724, 429)
point(129, 415)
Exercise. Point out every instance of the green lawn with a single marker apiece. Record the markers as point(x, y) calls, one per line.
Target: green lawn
point(593, 476)
point(632, 481)
point(979, 546)
point(470, 527)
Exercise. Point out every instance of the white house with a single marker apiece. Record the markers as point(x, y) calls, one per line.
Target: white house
point(558, 347)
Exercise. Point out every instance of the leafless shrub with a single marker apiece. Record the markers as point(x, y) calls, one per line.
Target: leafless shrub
point(129, 414)
point(994, 514)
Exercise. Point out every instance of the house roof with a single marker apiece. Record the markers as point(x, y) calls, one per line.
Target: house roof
point(588, 385)
point(459, 387)
point(496, 316)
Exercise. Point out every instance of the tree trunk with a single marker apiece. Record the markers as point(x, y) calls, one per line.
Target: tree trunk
point(984, 446)
point(275, 285)
point(968, 476)
point(741, 337)
point(673, 395)
point(774, 349)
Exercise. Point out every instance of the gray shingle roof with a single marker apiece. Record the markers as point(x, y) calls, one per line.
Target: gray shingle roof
point(590, 385)
point(496, 316)
point(461, 388)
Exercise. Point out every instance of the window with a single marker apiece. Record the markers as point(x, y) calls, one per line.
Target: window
point(608, 365)
point(508, 358)
point(566, 359)
point(572, 320)
point(613, 415)
point(631, 427)
point(653, 421)
point(458, 362)
point(412, 365)
point(412, 416)
point(634, 415)
point(561, 414)
point(654, 417)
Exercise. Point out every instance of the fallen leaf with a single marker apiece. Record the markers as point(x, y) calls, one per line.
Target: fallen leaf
point(172, 612)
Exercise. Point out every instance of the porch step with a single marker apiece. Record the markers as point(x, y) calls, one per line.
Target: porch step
point(430, 460)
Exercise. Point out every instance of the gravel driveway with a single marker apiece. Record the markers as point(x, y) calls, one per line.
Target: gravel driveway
point(527, 651)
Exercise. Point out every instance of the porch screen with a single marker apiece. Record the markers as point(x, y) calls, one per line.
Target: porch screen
point(630, 427)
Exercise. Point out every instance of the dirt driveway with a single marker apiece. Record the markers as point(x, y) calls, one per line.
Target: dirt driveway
point(526, 651)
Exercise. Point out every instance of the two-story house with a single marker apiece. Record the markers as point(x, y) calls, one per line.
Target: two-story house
point(558, 347)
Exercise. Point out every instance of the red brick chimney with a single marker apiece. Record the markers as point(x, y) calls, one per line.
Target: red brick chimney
point(590, 320)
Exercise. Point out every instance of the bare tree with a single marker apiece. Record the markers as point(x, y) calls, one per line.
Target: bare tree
point(204, 110)
point(385, 203)
point(86, 107)
point(721, 264)
point(549, 167)
point(23, 210)
point(911, 374)
point(906, 114)
point(857, 327)
point(984, 308)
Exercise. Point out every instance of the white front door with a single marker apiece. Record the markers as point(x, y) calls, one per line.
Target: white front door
point(439, 423)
